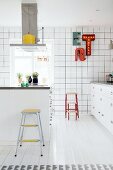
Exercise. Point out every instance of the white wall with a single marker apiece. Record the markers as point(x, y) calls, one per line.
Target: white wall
point(75, 12)
point(69, 75)
point(60, 12)
point(10, 12)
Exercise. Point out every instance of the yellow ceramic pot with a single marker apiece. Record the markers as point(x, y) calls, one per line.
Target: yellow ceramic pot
point(29, 39)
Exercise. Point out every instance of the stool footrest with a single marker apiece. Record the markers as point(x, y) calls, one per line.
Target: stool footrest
point(30, 140)
point(29, 125)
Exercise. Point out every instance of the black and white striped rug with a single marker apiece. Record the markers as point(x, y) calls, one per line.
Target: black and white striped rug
point(59, 167)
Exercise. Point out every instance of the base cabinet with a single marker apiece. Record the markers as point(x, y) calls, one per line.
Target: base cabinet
point(102, 104)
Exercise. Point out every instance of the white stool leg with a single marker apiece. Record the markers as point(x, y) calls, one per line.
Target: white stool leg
point(41, 129)
point(18, 140)
point(24, 117)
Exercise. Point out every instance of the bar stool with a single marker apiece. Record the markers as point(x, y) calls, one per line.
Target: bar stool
point(20, 139)
point(71, 104)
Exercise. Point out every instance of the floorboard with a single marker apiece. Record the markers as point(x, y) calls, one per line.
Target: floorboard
point(85, 141)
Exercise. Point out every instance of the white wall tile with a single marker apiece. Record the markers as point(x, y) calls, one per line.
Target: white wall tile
point(6, 50)
point(60, 30)
point(111, 35)
point(1, 35)
point(85, 29)
point(4, 69)
point(101, 46)
point(107, 29)
point(59, 41)
point(74, 29)
point(1, 41)
point(69, 41)
point(1, 49)
point(102, 35)
point(49, 30)
point(6, 41)
point(68, 29)
point(78, 74)
point(69, 35)
point(96, 29)
point(79, 29)
point(101, 28)
point(7, 82)
point(107, 35)
point(1, 29)
point(107, 52)
point(60, 35)
point(11, 35)
point(101, 41)
point(18, 35)
point(101, 52)
point(96, 42)
point(107, 41)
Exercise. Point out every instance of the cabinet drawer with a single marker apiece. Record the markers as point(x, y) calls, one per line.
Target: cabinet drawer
point(107, 91)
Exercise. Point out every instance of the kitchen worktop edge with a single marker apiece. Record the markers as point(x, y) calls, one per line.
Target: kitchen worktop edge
point(24, 88)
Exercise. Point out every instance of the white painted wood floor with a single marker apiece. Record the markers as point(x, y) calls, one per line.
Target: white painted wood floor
point(84, 141)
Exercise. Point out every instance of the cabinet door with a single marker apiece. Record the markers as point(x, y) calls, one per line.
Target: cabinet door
point(92, 99)
point(104, 110)
point(110, 125)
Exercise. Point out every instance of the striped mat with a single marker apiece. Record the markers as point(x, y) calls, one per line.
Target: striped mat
point(59, 167)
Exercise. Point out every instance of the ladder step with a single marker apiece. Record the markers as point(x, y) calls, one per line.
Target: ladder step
point(29, 125)
point(30, 140)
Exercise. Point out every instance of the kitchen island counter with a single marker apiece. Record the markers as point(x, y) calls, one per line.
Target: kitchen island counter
point(12, 101)
point(24, 88)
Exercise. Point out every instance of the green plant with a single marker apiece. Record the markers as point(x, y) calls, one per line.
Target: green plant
point(27, 76)
point(35, 74)
point(19, 75)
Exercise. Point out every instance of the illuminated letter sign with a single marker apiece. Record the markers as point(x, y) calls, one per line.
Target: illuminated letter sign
point(88, 38)
point(76, 38)
point(80, 53)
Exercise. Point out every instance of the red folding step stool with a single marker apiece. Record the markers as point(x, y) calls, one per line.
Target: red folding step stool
point(70, 105)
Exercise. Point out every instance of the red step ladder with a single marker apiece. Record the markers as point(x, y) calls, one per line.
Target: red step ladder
point(71, 105)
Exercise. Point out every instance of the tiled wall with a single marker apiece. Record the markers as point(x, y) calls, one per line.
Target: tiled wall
point(69, 75)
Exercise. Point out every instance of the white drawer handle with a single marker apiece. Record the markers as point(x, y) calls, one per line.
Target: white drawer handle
point(111, 104)
point(112, 122)
point(102, 115)
point(100, 99)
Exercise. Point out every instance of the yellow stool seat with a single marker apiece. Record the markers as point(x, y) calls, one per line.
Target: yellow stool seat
point(31, 111)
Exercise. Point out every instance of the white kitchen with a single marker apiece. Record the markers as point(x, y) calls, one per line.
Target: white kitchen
point(56, 84)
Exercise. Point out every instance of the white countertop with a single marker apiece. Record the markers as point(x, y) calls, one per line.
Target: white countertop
point(103, 83)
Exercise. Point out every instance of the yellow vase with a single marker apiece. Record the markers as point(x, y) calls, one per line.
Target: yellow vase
point(29, 39)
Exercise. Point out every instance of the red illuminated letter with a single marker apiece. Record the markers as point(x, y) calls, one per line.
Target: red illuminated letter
point(88, 38)
point(80, 53)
